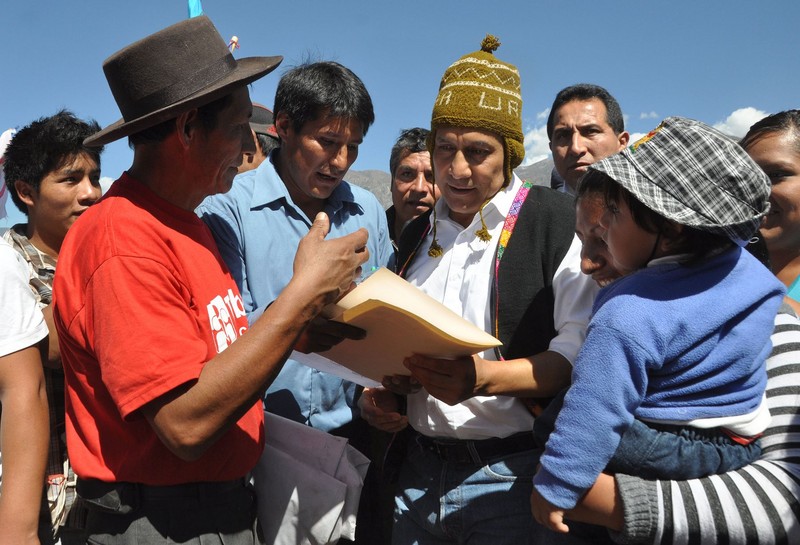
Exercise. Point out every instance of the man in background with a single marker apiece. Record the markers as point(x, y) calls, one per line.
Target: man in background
point(322, 114)
point(585, 125)
point(264, 136)
point(413, 190)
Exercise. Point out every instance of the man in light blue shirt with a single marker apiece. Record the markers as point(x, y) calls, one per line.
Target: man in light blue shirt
point(322, 112)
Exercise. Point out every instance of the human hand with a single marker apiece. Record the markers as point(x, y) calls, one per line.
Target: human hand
point(451, 381)
point(547, 514)
point(401, 384)
point(379, 407)
point(328, 268)
point(323, 334)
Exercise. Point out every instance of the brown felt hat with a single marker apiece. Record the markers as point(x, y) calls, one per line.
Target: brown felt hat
point(181, 67)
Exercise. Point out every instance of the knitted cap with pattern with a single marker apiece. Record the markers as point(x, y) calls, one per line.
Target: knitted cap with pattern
point(481, 92)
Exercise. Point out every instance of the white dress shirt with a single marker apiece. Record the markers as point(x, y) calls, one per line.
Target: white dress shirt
point(461, 279)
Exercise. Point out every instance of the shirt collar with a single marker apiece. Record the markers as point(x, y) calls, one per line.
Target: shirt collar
point(269, 188)
point(31, 253)
point(495, 210)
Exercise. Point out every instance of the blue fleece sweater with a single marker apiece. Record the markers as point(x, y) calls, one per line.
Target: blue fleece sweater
point(670, 343)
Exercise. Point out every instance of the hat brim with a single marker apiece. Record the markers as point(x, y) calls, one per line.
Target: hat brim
point(262, 128)
point(622, 170)
point(247, 71)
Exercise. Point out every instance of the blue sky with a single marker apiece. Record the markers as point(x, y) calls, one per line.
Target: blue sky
point(723, 62)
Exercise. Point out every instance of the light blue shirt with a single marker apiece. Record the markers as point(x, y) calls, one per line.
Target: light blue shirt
point(258, 227)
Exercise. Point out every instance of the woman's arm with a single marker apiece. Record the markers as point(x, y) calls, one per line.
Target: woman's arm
point(759, 503)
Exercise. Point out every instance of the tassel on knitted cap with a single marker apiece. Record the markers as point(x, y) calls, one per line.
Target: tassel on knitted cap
point(483, 233)
point(490, 44)
point(481, 92)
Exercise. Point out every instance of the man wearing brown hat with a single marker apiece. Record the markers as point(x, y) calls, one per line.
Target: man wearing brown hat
point(501, 253)
point(164, 417)
point(265, 138)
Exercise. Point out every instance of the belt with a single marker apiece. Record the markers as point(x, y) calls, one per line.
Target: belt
point(123, 497)
point(479, 452)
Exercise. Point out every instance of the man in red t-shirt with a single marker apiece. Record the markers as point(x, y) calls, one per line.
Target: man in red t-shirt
point(163, 407)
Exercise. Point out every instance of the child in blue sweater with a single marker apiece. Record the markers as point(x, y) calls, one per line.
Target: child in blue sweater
point(670, 381)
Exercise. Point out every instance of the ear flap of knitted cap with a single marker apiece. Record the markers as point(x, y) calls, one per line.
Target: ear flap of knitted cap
point(515, 153)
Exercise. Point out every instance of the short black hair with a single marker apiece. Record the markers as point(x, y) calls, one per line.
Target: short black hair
point(587, 91)
point(410, 141)
point(44, 146)
point(267, 143)
point(311, 90)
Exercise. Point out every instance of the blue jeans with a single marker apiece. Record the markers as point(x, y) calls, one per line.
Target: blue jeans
point(651, 451)
point(442, 502)
point(654, 451)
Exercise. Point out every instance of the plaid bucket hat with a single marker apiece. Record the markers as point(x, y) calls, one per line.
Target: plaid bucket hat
point(693, 175)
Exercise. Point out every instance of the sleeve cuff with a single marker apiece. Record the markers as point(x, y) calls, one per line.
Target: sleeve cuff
point(640, 506)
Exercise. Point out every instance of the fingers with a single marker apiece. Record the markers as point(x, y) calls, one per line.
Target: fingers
point(451, 381)
point(555, 521)
point(430, 367)
point(379, 408)
point(547, 514)
point(335, 330)
point(321, 225)
point(328, 268)
point(401, 384)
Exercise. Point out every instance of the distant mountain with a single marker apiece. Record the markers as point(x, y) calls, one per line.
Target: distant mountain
point(378, 181)
point(538, 173)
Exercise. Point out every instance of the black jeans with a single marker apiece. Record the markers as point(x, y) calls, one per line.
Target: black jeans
point(134, 514)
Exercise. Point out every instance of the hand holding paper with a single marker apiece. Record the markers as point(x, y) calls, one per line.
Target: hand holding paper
point(400, 320)
point(449, 380)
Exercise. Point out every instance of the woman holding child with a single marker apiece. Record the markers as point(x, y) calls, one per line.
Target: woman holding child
point(758, 503)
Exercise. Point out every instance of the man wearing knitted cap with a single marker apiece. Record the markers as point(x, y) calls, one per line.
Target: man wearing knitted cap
point(501, 253)
point(164, 417)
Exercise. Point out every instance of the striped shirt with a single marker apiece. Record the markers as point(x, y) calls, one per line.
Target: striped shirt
point(757, 504)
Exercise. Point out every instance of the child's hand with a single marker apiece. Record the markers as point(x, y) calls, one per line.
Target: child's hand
point(547, 514)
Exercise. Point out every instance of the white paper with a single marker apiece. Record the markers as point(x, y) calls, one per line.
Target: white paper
point(308, 484)
point(318, 361)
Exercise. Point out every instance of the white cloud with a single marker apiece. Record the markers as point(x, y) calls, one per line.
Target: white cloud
point(650, 115)
point(537, 145)
point(635, 136)
point(738, 123)
point(105, 183)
